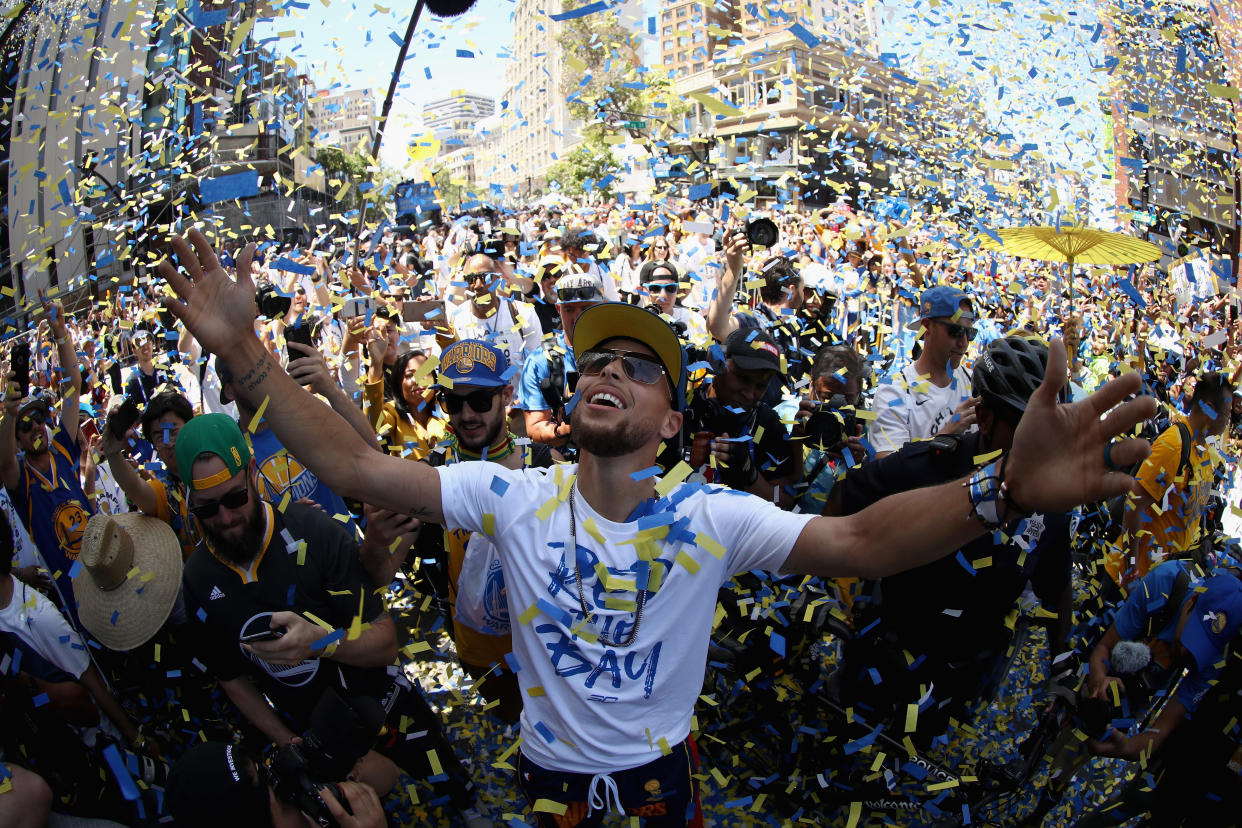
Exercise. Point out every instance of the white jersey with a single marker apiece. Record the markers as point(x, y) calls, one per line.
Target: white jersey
point(590, 707)
point(911, 407)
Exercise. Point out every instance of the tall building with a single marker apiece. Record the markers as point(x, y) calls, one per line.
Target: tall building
point(694, 33)
point(850, 23)
point(343, 119)
point(536, 128)
point(112, 118)
point(818, 123)
point(1174, 130)
point(452, 119)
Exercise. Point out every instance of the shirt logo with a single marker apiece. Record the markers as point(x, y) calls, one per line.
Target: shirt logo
point(215, 593)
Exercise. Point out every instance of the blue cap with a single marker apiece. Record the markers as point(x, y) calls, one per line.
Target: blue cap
point(473, 362)
point(943, 301)
point(1214, 619)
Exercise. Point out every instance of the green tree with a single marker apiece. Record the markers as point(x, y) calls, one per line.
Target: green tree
point(371, 184)
point(587, 164)
point(605, 77)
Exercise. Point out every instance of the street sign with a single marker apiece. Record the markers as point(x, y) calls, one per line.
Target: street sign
point(635, 124)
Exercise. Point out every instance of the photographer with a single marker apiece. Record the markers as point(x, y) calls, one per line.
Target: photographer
point(661, 289)
point(731, 429)
point(216, 784)
point(951, 615)
point(1173, 620)
point(828, 428)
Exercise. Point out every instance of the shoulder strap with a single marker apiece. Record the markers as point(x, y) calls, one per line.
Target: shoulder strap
point(1177, 596)
point(540, 456)
point(1184, 431)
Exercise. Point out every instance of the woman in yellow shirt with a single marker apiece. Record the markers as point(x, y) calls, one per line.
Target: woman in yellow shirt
point(399, 403)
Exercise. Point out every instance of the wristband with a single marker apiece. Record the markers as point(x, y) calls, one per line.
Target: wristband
point(990, 501)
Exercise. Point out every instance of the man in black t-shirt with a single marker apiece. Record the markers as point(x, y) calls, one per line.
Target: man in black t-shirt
point(746, 436)
point(281, 599)
point(933, 636)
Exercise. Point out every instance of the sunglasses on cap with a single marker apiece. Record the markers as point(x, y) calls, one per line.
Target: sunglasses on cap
point(638, 367)
point(586, 293)
point(29, 421)
point(666, 287)
point(232, 500)
point(959, 331)
point(479, 401)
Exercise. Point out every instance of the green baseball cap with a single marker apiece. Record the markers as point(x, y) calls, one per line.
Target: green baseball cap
point(216, 434)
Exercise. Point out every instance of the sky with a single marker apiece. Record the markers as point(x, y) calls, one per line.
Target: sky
point(1033, 61)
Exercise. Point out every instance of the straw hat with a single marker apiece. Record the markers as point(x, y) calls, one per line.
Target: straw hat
point(130, 579)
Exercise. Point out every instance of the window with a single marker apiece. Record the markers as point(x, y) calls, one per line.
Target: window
point(668, 30)
point(668, 45)
point(698, 67)
point(698, 36)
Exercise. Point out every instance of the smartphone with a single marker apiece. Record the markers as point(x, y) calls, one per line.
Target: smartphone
point(421, 311)
point(19, 359)
point(357, 306)
point(89, 429)
point(262, 635)
point(299, 333)
point(123, 419)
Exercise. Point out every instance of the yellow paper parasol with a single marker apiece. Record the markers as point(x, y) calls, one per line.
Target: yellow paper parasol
point(1070, 244)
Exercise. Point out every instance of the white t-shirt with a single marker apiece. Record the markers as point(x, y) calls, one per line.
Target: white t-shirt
point(912, 408)
point(604, 709)
point(35, 620)
point(513, 328)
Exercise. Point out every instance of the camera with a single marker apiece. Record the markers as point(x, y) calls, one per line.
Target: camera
point(831, 424)
point(762, 232)
point(341, 731)
point(271, 303)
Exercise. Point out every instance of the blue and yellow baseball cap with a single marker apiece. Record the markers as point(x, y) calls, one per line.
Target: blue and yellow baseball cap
point(618, 320)
point(473, 362)
point(216, 434)
point(943, 302)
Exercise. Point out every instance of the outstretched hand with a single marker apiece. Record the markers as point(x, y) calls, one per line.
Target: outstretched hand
point(218, 310)
point(1058, 455)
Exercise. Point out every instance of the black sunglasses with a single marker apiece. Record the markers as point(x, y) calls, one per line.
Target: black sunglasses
point(638, 367)
point(959, 331)
point(232, 500)
point(666, 287)
point(588, 293)
point(27, 423)
point(479, 401)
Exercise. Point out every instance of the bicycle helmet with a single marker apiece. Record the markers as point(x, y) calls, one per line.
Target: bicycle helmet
point(1009, 370)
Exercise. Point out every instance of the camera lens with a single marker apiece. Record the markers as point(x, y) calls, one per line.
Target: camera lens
point(762, 232)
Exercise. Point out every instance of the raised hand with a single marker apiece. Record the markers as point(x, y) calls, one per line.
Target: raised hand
point(1058, 455)
point(218, 310)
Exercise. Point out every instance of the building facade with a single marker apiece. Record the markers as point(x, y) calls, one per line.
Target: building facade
point(1174, 125)
point(453, 119)
point(343, 119)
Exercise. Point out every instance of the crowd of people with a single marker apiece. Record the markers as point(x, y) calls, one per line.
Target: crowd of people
point(561, 433)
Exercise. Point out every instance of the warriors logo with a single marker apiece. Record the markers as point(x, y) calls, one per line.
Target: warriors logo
point(69, 521)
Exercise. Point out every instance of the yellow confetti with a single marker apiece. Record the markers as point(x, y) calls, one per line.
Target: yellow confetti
point(547, 806)
point(691, 565)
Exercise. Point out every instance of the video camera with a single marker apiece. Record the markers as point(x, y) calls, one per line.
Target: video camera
point(831, 424)
point(271, 304)
point(341, 731)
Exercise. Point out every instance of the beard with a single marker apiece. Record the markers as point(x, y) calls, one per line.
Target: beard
point(239, 545)
point(490, 435)
point(625, 437)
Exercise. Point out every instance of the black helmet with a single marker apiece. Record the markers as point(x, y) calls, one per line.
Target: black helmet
point(1009, 370)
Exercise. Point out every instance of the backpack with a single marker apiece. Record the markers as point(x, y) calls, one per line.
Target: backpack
point(1115, 507)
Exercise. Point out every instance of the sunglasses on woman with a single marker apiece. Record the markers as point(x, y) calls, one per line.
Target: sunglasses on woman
point(479, 401)
point(638, 367)
point(209, 509)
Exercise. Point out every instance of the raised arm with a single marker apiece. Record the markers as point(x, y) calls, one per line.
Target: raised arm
point(1057, 462)
point(71, 386)
point(720, 321)
point(220, 312)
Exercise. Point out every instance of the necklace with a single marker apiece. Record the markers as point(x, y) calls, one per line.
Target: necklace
point(587, 614)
